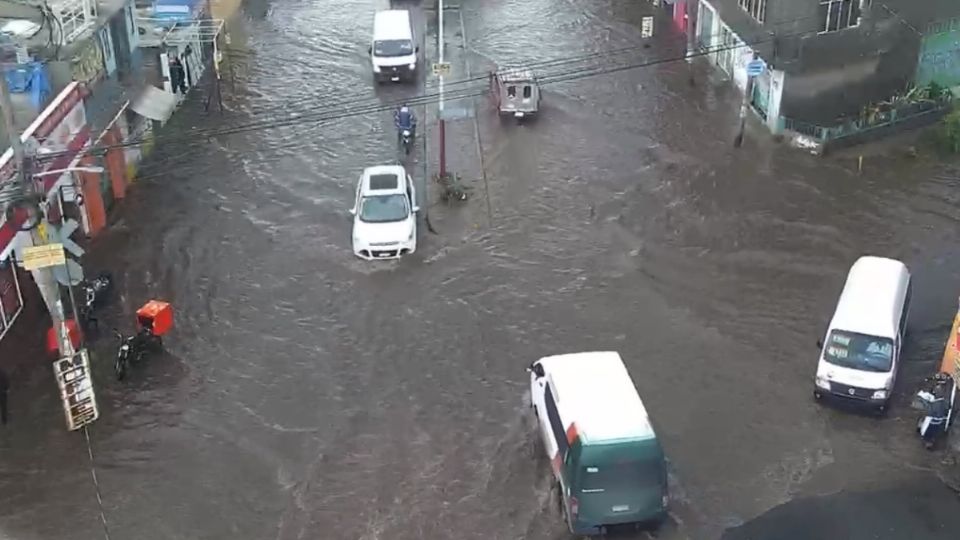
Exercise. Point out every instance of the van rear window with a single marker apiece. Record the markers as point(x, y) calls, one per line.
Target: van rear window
point(616, 477)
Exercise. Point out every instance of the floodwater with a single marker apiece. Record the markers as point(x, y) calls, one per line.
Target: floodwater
point(308, 394)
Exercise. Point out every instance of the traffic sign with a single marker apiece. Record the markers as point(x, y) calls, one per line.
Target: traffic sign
point(43, 256)
point(70, 273)
point(63, 235)
point(441, 69)
point(756, 67)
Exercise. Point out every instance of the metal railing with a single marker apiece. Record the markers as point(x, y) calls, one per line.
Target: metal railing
point(856, 126)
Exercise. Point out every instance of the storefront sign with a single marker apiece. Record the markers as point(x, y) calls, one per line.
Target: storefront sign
point(61, 129)
point(11, 301)
point(76, 390)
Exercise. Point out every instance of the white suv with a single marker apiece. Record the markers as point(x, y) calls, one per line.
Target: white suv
point(385, 214)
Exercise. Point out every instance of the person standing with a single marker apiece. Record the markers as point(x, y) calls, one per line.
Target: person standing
point(178, 78)
point(4, 386)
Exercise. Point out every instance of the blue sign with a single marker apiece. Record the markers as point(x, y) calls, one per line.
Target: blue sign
point(756, 67)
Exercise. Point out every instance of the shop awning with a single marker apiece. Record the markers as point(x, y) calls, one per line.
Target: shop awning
point(154, 103)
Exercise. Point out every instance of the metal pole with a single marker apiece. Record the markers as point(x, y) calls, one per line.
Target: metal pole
point(46, 281)
point(744, 108)
point(443, 130)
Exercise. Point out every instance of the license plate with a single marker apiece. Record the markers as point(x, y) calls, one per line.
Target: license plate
point(621, 508)
point(518, 114)
point(383, 255)
point(394, 79)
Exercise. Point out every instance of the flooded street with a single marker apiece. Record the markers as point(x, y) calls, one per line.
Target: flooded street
point(309, 394)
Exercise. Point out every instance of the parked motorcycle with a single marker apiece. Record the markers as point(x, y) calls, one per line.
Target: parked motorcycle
point(154, 320)
point(133, 348)
point(94, 292)
point(937, 398)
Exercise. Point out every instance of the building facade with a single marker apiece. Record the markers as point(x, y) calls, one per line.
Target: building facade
point(827, 59)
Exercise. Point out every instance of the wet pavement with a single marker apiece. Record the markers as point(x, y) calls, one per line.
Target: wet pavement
point(308, 394)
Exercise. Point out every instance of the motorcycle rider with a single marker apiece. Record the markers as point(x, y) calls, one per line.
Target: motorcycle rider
point(404, 119)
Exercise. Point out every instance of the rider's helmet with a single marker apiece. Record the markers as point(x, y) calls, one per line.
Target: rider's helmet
point(404, 108)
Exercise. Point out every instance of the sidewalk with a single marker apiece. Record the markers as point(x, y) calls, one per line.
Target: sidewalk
point(463, 152)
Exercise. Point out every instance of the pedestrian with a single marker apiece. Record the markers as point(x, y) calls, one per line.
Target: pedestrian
point(4, 386)
point(178, 77)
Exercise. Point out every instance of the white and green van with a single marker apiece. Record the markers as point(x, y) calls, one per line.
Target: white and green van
point(605, 455)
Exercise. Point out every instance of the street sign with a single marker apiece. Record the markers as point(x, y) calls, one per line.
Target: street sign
point(63, 235)
point(441, 69)
point(756, 67)
point(70, 273)
point(646, 27)
point(43, 256)
point(76, 390)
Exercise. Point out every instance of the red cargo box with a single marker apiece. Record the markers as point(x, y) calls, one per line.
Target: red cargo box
point(157, 312)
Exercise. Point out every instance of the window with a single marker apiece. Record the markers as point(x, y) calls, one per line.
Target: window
point(859, 351)
point(756, 8)
point(512, 91)
point(553, 416)
point(905, 310)
point(839, 14)
point(527, 92)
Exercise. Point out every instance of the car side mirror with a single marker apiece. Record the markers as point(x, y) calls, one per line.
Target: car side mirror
point(370, 50)
point(353, 211)
point(819, 343)
point(416, 49)
point(536, 369)
point(416, 209)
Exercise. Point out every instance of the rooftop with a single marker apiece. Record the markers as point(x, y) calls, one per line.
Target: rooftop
point(594, 389)
point(870, 296)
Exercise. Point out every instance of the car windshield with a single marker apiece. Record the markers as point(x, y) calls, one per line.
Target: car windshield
point(384, 208)
point(859, 351)
point(393, 47)
point(619, 477)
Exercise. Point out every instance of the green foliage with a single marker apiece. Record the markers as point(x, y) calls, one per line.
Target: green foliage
point(950, 131)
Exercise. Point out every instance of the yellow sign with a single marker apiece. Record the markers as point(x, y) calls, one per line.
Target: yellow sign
point(441, 69)
point(43, 256)
point(42, 231)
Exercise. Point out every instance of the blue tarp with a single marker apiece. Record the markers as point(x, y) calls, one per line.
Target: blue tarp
point(31, 77)
point(174, 11)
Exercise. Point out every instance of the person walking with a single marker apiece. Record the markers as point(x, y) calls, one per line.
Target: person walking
point(178, 77)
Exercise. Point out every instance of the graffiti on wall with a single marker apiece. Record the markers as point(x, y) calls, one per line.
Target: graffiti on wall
point(87, 65)
point(940, 55)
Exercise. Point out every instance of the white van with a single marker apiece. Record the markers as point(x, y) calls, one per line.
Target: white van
point(860, 356)
point(606, 458)
point(393, 52)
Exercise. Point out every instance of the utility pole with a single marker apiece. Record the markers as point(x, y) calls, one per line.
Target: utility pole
point(745, 107)
point(443, 127)
point(46, 281)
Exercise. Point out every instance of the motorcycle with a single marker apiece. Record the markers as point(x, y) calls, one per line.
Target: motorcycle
point(406, 140)
point(133, 348)
point(94, 291)
point(936, 398)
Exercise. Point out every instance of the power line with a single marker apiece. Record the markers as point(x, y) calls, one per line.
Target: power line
point(362, 108)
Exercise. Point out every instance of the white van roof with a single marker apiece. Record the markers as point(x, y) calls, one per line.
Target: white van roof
point(594, 391)
point(872, 297)
point(392, 24)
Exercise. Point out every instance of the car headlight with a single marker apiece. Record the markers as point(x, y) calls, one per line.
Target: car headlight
point(412, 66)
point(880, 394)
point(376, 68)
point(822, 382)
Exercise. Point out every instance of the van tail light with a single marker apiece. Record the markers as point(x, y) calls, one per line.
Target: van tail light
point(664, 501)
point(574, 507)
